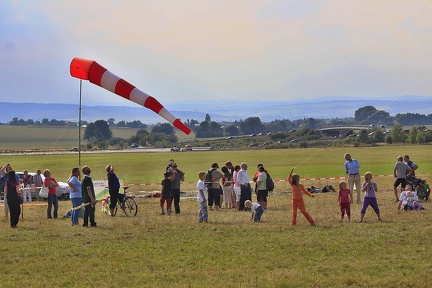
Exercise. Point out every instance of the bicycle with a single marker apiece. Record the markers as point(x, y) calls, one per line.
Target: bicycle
point(129, 206)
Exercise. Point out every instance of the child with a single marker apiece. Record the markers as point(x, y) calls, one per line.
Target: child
point(297, 198)
point(166, 194)
point(370, 188)
point(256, 209)
point(202, 198)
point(344, 200)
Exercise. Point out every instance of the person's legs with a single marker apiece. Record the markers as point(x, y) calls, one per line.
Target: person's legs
point(302, 209)
point(374, 205)
point(50, 203)
point(258, 213)
point(176, 196)
point(113, 198)
point(86, 215)
point(162, 202)
point(351, 186)
point(210, 192)
point(366, 202)
point(55, 202)
point(6, 208)
point(217, 198)
point(358, 187)
point(75, 212)
point(91, 214)
point(169, 201)
point(243, 196)
point(294, 212)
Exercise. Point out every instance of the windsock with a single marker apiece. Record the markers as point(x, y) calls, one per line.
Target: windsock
point(99, 75)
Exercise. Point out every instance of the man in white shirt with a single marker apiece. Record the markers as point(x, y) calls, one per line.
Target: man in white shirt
point(245, 187)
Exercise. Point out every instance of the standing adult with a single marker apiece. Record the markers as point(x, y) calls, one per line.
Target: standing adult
point(27, 182)
point(75, 194)
point(352, 169)
point(88, 197)
point(228, 188)
point(237, 188)
point(245, 187)
point(410, 164)
point(176, 177)
point(401, 171)
point(4, 171)
point(113, 187)
point(215, 190)
point(51, 183)
point(262, 191)
point(12, 191)
point(230, 167)
point(38, 182)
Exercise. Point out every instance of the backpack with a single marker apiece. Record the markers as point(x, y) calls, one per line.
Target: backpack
point(208, 179)
point(269, 183)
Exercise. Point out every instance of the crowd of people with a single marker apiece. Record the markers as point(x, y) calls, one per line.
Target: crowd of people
point(230, 186)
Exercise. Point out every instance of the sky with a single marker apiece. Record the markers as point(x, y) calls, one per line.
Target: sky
point(202, 50)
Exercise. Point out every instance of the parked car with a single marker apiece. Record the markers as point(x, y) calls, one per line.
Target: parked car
point(188, 147)
point(175, 149)
point(134, 145)
point(62, 190)
point(281, 141)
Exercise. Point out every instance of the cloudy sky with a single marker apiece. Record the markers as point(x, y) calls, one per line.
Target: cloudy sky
point(225, 49)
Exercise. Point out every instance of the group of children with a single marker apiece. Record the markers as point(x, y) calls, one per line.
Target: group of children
point(408, 199)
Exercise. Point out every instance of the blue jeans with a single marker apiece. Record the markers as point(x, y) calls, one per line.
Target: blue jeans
point(258, 212)
point(75, 213)
point(52, 199)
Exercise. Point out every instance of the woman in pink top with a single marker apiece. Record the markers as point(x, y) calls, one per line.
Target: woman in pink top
point(297, 198)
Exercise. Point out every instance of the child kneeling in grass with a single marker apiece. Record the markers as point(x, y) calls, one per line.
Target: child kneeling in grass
point(256, 209)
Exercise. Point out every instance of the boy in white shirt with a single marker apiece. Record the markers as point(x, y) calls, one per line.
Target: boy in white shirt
point(202, 198)
point(256, 209)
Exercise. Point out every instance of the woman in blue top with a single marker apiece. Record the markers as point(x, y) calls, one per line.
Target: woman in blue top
point(113, 187)
point(369, 187)
point(75, 194)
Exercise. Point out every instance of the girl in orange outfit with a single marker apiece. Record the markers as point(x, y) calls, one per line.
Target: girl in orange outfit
point(297, 198)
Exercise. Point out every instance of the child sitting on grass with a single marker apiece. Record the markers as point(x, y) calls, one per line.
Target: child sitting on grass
point(256, 209)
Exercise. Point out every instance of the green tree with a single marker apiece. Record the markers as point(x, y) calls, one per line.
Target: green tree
point(412, 137)
point(421, 138)
point(363, 136)
point(207, 118)
point(397, 134)
point(99, 130)
point(231, 130)
point(164, 128)
point(370, 115)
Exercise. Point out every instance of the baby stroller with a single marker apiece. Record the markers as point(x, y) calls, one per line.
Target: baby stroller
point(417, 186)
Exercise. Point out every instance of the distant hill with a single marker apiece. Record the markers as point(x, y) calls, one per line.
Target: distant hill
point(218, 111)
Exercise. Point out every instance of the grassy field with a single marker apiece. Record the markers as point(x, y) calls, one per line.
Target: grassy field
point(18, 138)
point(152, 250)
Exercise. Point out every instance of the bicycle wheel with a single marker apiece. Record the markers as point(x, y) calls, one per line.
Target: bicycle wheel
point(106, 207)
point(130, 207)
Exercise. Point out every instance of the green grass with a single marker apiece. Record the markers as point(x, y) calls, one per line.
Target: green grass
point(18, 138)
point(175, 251)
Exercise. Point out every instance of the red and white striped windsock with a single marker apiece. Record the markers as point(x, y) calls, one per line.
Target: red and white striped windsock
point(96, 74)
